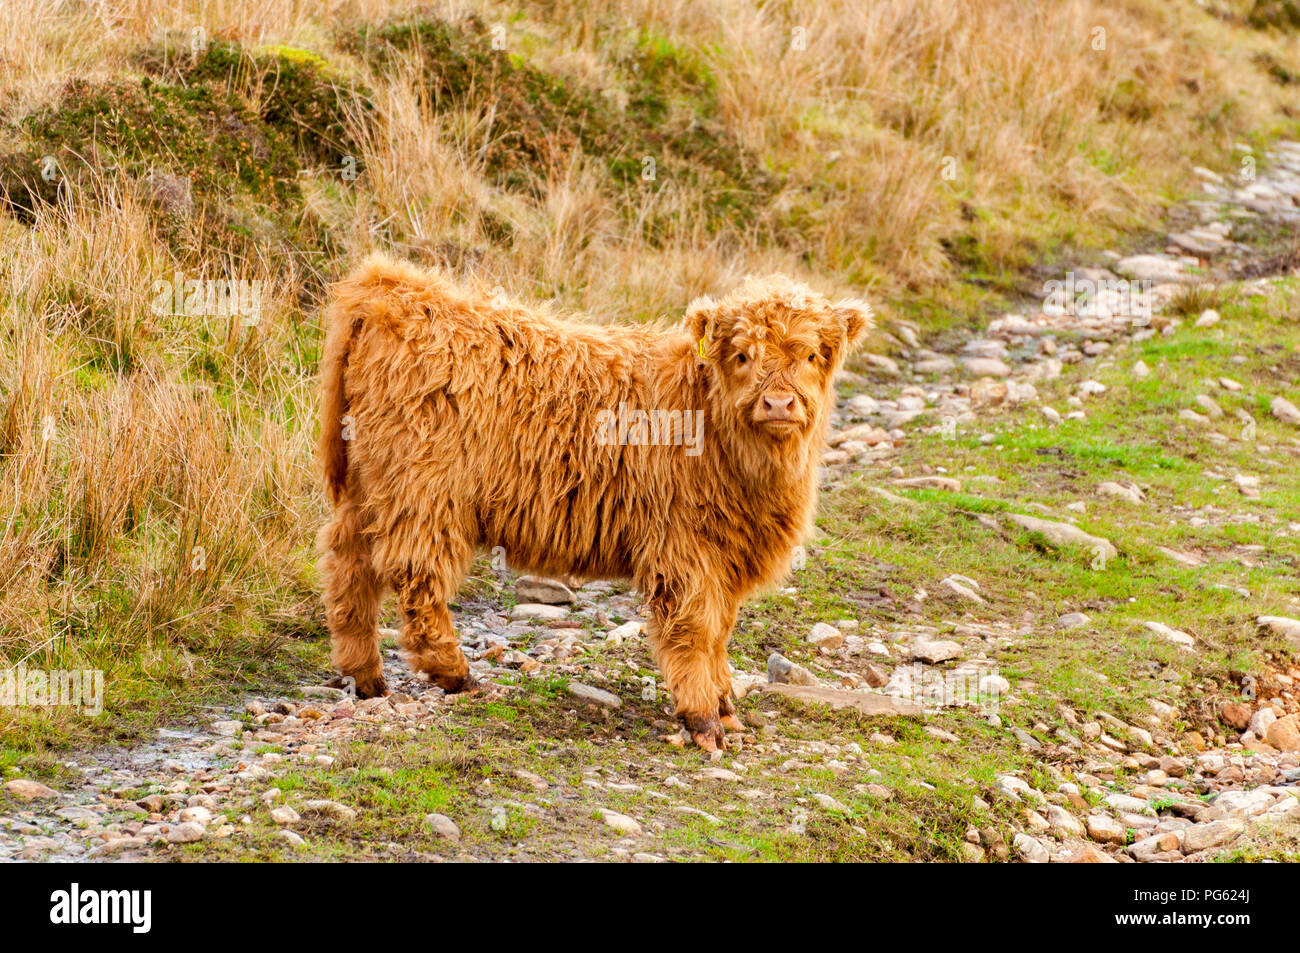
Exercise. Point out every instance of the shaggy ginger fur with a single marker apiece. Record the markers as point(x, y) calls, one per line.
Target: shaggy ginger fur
point(450, 421)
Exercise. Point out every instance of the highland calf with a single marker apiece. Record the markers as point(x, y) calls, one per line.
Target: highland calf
point(452, 421)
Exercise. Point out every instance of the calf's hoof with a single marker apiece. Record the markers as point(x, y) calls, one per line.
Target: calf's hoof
point(365, 686)
point(456, 684)
point(706, 731)
point(727, 715)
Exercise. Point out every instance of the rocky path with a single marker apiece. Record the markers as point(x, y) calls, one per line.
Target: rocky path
point(1102, 789)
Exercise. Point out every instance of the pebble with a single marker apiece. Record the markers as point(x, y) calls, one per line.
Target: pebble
point(1105, 829)
point(1284, 733)
point(1281, 625)
point(826, 636)
point(26, 789)
point(443, 826)
point(986, 367)
point(1088, 854)
point(830, 804)
point(537, 611)
point(285, 816)
point(1214, 834)
point(1127, 803)
point(932, 652)
point(1062, 821)
point(197, 815)
point(1156, 268)
point(186, 833)
point(1124, 491)
point(1015, 787)
point(331, 809)
point(628, 630)
point(1285, 411)
point(1030, 849)
point(781, 670)
point(961, 586)
point(294, 840)
point(1064, 534)
point(719, 774)
point(538, 590)
point(587, 695)
point(1177, 636)
point(620, 822)
point(1155, 847)
point(1210, 406)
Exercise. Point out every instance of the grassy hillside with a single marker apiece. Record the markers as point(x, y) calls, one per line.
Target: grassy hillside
point(157, 500)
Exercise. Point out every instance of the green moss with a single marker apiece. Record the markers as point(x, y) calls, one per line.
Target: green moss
point(302, 96)
point(235, 166)
point(1275, 14)
point(194, 131)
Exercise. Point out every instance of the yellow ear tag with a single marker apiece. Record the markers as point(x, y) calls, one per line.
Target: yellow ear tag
point(703, 356)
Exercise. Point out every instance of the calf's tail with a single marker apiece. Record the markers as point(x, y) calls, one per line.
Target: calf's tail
point(342, 323)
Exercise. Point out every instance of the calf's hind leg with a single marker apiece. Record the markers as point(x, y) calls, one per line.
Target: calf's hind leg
point(352, 593)
point(429, 637)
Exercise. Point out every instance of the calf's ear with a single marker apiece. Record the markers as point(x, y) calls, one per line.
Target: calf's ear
point(700, 321)
point(856, 316)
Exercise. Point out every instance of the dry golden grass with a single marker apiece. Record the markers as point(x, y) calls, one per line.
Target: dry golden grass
point(144, 520)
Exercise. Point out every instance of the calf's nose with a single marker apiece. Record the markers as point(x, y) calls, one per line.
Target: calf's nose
point(778, 406)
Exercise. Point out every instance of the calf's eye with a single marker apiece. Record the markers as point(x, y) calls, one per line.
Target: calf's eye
point(741, 359)
point(812, 358)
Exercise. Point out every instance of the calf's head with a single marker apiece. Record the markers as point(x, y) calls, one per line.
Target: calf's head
point(773, 346)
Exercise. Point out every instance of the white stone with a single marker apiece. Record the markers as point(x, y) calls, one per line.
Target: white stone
point(443, 826)
point(620, 634)
point(285, 816)
point(620, 822)
point(537, 611)
point(532, 590)
point(186, 833)
point(1128, 492)
point(1061, 534)
point(1029, 849)
point(1214, 834)
point(1177, 636)
point(934, 652)
point(826, 636)
point(1285, 411)
point(587, 695)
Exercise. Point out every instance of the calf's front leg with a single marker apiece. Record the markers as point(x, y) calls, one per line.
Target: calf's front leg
point(687, 639)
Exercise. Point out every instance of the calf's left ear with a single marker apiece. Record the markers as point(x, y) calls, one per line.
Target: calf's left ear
point(856, 316)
